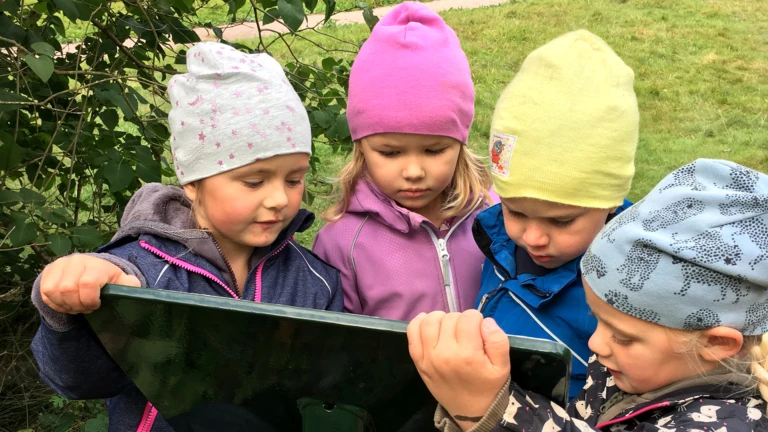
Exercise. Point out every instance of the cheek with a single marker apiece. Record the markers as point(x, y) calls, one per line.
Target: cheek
point(513, 227)
point(295, 196)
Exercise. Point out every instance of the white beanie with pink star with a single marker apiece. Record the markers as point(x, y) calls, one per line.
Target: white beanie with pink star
point(231, 109)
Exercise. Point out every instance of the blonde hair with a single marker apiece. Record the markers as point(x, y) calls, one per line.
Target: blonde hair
point(758, 353)
point(751, 361)
point(470, 182)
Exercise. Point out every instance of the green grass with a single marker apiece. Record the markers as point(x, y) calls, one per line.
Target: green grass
point(215, 12)
point(700, 71)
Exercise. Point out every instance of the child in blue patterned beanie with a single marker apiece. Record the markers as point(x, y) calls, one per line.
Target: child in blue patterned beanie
point(678, 284)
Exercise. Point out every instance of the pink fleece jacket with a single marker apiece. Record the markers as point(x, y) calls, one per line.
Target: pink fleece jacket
point(395, 263)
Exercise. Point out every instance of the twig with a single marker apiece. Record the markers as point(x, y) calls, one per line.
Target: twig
point(128, 54)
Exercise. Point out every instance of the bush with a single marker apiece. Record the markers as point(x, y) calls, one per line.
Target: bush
point(83, 126)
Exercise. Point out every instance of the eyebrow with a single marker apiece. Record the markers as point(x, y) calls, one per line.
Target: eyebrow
point(614, 328)
point(566, 216)
point(302, 168)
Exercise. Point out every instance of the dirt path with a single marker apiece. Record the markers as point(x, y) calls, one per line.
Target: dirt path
point(249, 30)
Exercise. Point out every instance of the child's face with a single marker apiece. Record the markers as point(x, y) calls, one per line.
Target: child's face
point(640, 356)
point(413, 170)
point(552, 233)
point(248, 207)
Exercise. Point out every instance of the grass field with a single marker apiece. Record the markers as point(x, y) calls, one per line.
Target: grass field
point(701, 72)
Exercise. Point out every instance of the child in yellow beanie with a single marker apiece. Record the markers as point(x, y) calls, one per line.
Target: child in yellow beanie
point(562, 149)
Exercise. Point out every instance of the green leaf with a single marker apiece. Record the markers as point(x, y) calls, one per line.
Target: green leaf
point(147, 167)
point(369, 17)
point(42, 66)
point(118, 175)
point(292, 12)
point(271, 15)
point(30, 196)
point(86, 237)
point(98, 424)
point(43, 48)
point(69, 8)
point(156, 133)
point(180, 33)
point(310, 4)
point(22, 231)
point(10, 30)
point(9, 6)
point(322, 118)
point(112, 96)
point(6, 96)
point(10, 152)
point(59, 244)
point(57, 216)
point(330, 7)
point(9, 197)
point(342, 126)
point(110, 118)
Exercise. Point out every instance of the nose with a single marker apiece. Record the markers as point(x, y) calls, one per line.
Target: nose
point(277, 199)
point(414, 169)
point(598, 342)
point(535, 235)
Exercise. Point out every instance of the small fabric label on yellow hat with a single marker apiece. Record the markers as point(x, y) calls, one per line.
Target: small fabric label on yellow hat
point(501, 152)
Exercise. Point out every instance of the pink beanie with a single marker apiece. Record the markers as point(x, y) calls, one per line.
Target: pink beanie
point(411, 76)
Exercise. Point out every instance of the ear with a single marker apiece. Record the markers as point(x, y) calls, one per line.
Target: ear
point(721, 343)
point(191, 190)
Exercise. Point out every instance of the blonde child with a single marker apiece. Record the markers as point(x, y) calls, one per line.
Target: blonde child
point(401, 232)
point(678, 287)
point(241, 142)
point(562, 151)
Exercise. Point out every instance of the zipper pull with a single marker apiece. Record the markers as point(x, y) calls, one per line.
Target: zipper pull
point(482, 302)
point(444, 263)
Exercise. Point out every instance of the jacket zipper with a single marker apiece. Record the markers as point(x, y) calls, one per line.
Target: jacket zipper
point(257, 280)
point(229, 267)
point(186, 266)
point(445, 267)
point(441, 244)
point(148, 418)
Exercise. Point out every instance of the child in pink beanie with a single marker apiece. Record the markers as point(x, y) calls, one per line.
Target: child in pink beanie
point(401, 233)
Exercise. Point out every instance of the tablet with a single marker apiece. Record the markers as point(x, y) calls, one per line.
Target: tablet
point(219, 364)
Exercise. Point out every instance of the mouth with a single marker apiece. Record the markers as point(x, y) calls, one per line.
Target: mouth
point(413, 193)
point(540, 258)
point(268, 223)
point(613, 372)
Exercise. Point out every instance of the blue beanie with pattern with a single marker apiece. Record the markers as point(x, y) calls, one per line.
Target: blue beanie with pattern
point(692, 254)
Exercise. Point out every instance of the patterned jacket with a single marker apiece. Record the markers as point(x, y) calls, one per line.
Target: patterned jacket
point(719, 401)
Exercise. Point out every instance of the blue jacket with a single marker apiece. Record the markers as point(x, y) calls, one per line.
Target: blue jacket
point(157, 244)
point(551, 307)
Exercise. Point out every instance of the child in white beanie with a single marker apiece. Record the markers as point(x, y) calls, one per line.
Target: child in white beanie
point(241, 143)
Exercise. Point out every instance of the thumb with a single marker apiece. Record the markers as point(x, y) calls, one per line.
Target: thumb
point(127, 280)
point(495, 343)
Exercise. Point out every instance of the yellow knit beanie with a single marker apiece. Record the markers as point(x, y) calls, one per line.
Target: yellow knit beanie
point(565, 129)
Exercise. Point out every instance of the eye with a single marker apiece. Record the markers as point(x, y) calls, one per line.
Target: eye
point(294, 183)
point(387, 154)
point(622, 342)
point(562, 224)
point(435, 151)
point(514, 214)
point(252, 185)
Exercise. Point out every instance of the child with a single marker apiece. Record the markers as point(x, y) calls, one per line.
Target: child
point(241, 143)
point(678, 287)
point(562, 150)
point(401, 233)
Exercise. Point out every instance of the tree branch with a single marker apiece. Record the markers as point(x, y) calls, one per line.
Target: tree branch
point(98, 24)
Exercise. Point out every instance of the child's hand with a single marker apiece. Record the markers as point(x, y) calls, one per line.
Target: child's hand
point(72, 284)
point(463, 360)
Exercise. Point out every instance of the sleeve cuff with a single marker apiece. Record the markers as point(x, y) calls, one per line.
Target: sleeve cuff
point(444, 422)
